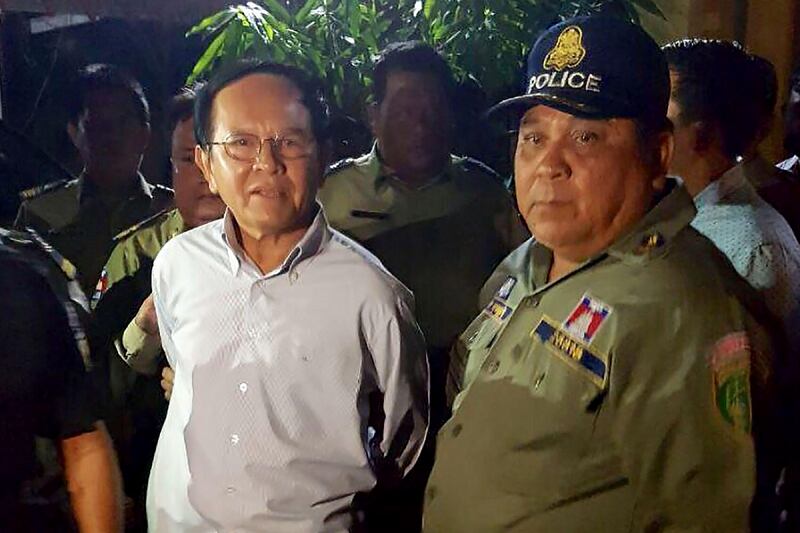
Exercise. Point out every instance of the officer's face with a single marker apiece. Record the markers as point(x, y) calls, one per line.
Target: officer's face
point(581, 183)
point(109, 135)
point(791, 139)
point(412, 124)
point(195, 201)
point(271, 195)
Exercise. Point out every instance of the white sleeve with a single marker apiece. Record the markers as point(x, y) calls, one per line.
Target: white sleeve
point(398, 352)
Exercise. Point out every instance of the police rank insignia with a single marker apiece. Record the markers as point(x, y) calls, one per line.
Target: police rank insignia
point(505, 289)
point(574, 352)
point(585, 320)
point(730, 365)
point(568, 51)
point(497, 310)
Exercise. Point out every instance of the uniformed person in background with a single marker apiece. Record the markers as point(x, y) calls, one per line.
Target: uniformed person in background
point(110, 126)
point(45, 396)
point(608, 383)
point(437, 221)
point(125, 323)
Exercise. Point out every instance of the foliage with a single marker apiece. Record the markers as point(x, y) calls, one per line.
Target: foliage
point(337, 40)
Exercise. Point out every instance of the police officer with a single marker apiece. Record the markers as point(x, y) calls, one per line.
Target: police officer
point(608, 382)
point(110, 127)
point(124, 287)
point(437, 221)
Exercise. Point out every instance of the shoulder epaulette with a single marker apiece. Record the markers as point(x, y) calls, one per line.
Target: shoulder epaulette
point(33, 192)
point(340, 165)
point(474, 164)
point(149, 221)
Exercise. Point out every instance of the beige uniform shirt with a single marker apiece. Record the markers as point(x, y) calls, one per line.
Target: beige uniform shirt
point(441, 240)
point(81, 223)
point(616, 398)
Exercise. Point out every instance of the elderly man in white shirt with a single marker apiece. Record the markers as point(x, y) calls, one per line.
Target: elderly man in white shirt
point(300, 374)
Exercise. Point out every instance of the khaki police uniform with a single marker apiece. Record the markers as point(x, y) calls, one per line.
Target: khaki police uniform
point(616, 398)
point(80, 222)
point(137, 404)
point(123, 286)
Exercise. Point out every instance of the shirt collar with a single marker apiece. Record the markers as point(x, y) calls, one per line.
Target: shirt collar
point(383, 174)
point(734, 179)
point(88, 190)
point(672, 212)
point(317, 234)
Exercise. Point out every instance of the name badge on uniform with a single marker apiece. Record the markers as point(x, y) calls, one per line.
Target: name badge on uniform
point(585, 320)
point(578, 355)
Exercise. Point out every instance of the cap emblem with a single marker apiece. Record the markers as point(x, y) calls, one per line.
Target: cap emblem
point(568, 51)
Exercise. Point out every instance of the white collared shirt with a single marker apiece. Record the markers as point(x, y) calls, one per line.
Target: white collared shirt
point(270, 426)
point(757, 241)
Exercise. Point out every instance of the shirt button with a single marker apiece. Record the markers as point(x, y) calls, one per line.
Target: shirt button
point(243, 387)
point(234, 439)
point(230, 490)
point(293, 275)
point(457, 430)
point(493, 367)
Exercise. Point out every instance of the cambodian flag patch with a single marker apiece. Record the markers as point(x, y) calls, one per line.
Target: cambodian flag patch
point(586, 319)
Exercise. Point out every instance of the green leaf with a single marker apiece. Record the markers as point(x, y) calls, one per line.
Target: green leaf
point(254, 20)
point(302, 13)
point(213, 23)
point(430, 5)
point(276, 9)
point(207, 59)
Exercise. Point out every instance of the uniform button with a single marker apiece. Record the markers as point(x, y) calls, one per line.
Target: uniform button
point(243, 387)
point(534, 302)
point(457, 430)
point(234, 439)
point(494, 365)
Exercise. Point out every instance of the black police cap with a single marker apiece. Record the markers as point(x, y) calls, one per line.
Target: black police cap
point(596, 67)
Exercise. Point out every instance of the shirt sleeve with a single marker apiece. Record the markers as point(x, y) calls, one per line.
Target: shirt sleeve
point(398, 352)
point(774, 272)
point(162, 315)
point(139, 349)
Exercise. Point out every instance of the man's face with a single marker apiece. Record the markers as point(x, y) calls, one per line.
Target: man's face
point(194, 200)
point(791, 140)
point(412, 124)
point(580, 184)
point(271, 195)
point(110, 135)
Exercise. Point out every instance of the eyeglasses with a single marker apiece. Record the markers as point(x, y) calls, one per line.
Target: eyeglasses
point(247, 147)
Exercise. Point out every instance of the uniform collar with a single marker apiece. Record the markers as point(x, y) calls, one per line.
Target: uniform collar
point(672, 212)
point(734, 179)
point(383, 174)
point(139, 187)
point(317, 234)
